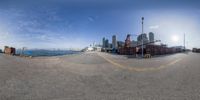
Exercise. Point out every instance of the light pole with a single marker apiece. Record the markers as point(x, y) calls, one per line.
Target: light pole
point(184, 41)
point(142, 37)
point(22, 52)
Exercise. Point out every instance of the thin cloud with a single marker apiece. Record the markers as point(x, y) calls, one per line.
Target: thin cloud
point(154, 27)
point(91, 19)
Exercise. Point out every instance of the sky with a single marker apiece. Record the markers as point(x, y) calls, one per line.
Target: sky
point(66, 24)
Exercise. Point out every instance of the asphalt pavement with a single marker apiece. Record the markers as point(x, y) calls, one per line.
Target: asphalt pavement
point(100, 76)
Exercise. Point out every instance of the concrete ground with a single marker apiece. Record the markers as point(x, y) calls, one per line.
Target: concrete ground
point(100, 76)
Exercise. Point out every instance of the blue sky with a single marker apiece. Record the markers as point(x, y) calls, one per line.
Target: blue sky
point(79, 23)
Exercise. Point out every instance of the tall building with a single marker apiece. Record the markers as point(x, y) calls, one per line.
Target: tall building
point(114, 42)
point(106, 43)
point(142, 37)
point(110, 45)
point(103, 42)
point(151, 36)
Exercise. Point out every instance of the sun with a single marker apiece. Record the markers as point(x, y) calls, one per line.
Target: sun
point(175, 38)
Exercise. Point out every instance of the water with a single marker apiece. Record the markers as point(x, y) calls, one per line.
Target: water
point(36, 53)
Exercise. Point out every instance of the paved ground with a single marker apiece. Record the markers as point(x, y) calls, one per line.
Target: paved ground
point(100, 76)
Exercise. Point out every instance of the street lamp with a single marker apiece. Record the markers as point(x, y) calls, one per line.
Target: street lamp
point(142, 37)
point(184, 42)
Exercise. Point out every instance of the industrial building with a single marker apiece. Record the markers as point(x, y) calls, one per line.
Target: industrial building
point(127, 49)
point(134, 43)
point(197, 50)
point(143, 45)
point(162, 49)
point(130, 47)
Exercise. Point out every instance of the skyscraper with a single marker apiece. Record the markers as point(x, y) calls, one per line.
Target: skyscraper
point(106, 43)
point(151, 36)
point(114, 42)
point(142, 37)
point(103, 42)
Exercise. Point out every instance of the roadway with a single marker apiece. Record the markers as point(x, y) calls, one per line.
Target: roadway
point(100, 76)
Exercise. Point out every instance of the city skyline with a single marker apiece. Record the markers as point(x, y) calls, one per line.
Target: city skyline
point(77, 24)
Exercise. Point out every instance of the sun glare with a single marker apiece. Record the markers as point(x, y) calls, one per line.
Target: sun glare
point(175, 38)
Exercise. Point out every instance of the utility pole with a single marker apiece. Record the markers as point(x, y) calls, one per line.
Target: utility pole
point(142, 37)
point(184, 41)
point(22, 51)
